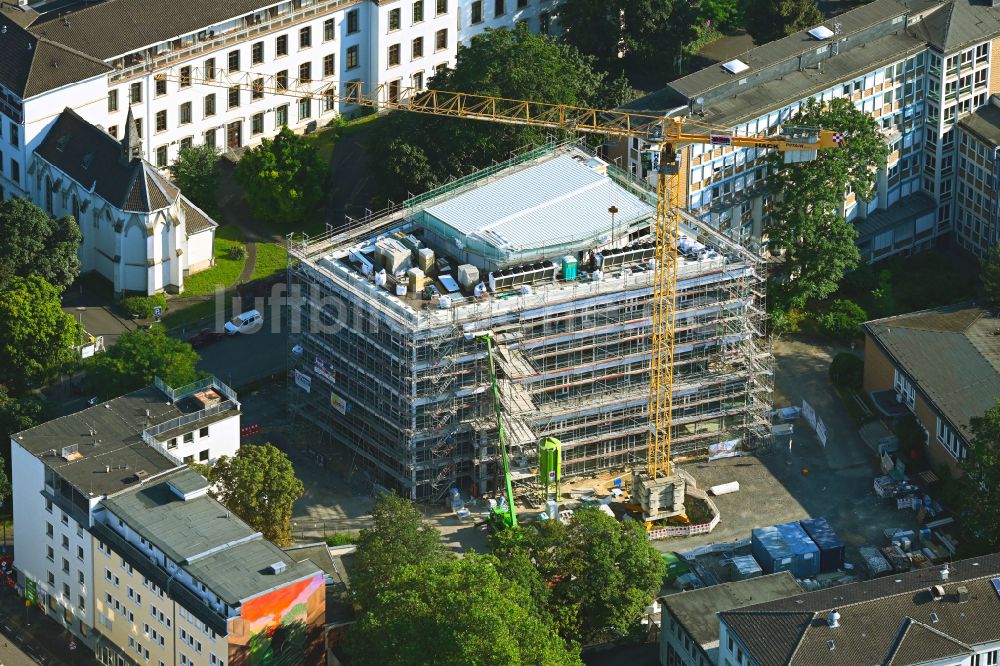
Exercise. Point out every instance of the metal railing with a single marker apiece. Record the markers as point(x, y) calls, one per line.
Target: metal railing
point(211, 381)
point(181, 421)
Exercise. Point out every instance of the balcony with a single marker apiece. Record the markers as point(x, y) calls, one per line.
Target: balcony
point(147, 61)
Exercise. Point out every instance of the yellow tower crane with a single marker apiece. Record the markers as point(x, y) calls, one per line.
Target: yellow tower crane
point(662, 135)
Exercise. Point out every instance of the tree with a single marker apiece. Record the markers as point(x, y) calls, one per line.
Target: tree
point(515, 64)
point(397, 538)
point(978, 491)
point(37, 338)
point(137, 357)
point(283, 178)
point(460, 611)
point(196, 172)
point(259, 485)
point(595, 28)
point(18, 413)
point(991, 277)
point(767, 20)
point(805, 222)
point(599, 574)
point(33, 243)
point(843, 319)
point(847, 370)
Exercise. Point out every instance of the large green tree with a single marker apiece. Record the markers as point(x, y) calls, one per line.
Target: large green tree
point(978, 491)
point(600, 573)
point(455, 612)
point(767, 20)
point(990, 277)
point(37, 338)
point(397, 538)
point(816, 242)
point(136, 358)
point(420, 152)
point(196, 172)
point(259, 485)
point(33, 243)
point(283, 178)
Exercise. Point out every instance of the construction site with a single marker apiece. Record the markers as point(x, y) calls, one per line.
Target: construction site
point(550, 255)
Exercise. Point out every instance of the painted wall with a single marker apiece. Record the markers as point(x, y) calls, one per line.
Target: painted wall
point(280, 627)
point(199, 251)
point(223, 439)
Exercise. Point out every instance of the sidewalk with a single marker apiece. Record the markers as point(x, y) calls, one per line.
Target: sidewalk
point(44, 640)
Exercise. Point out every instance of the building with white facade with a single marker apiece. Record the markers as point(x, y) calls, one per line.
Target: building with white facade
point(919, 68)
point(65, 468)
point(930, 617)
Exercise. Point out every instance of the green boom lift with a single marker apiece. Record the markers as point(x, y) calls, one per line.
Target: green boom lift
point(503, 516)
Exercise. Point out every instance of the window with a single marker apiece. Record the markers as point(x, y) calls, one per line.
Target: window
point(418, 48)
point(329, 30)
point(51, 578)
point(418, 11)
point(477, 12)
point(185, 76)
point(161, 156)
point(544, 21)
point(441, 39)
point(904, 389)
point(257, 89)
point(15, 171)
point(234, 61)
point(161, 121)
point(112, 101)
point(185, 113)
point(135, 93)
point(393, 55)
point(498, 8)
point(210, 69)
point(329, 100)
point(188, 437)
point(203, 432)
point(305, 109)
point(281, 46)
point(160, 87)
point(50, 554)
point(65, 565)
point(417, 80)
point(209, 105)
point(950, 440)
point(394, 19)
point(203, 456)
point(256, 127)
point(64, 518)
point(353, 24)
point(65, 542)
point(328, 66)
point(352, 57)
point(257, 53)
point(305, 72)
point(79, 555)
point(442, 7)
point(209, 141)
point(188, 460)
point(234, 97)
point(281, 80)
point(49, 529)
point(281, 116)
point(305, 38)
point(66, 591)
point(138, 127)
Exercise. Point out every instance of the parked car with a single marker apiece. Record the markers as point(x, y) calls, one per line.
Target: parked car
point(204, 337)
point(244, 322)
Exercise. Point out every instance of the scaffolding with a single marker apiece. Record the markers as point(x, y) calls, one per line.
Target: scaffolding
point(400, 386)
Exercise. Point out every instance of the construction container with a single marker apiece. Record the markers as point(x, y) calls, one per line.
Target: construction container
point(831, 548)
point(415, 279)
point(467, 276)
point(785, 548)
point(425, 259)
point(550, 464)
point(569, 267)
point(744, 566)
point(395, 256)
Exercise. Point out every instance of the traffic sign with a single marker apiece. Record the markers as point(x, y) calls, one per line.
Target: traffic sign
point(157, 311)
point(30, 593)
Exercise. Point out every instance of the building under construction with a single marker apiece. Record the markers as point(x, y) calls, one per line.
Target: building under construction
point(551, 254)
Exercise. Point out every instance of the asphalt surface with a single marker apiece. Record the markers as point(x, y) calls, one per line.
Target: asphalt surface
point(30, 637)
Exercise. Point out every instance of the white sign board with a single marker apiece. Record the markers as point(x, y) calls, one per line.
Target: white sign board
point(303, 381)
point(809, 413)
point(821, 431)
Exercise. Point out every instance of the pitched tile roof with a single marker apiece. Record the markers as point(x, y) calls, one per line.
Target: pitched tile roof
point(32, 64)
point(890, 620)
point(952, 355)
point(958, 23)
point(93, 158)
point(195, 218)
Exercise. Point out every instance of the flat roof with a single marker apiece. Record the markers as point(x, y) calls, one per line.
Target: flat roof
point(558, 201)
point(984, 123)
point(696, 609)
point(907, 208)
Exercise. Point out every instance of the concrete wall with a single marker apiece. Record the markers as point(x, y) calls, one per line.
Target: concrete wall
point(199, 251)
point(222, 439)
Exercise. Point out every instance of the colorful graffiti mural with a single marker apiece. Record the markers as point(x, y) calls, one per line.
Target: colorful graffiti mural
point(280, 627)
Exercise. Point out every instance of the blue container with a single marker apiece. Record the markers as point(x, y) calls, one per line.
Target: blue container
point(831, 548)
point(785, 548)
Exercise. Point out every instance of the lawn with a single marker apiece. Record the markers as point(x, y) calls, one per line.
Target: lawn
point(272, 258)
point(226, 270)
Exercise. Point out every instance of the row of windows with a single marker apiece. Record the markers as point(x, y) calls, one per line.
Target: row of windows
point(499, 9)
point(417, 47)
point(416, 13)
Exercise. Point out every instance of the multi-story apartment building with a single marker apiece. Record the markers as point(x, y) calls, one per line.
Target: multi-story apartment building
point(930, 617)
point(64, 469)
point(977, 200)
point(919, 68)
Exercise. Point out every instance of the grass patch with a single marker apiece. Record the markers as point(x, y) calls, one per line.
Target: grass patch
point(226, 269)
point(190, 313)
point(272, 258)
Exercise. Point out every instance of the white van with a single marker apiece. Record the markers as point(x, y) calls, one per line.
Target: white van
point(244, 322)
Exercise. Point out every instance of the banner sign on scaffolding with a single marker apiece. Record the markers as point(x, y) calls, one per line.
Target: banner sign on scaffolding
point(821, 431)
point(723, 449)
point(338, 403)
point(809, 413)
point(319, 367)
point(303, 381)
